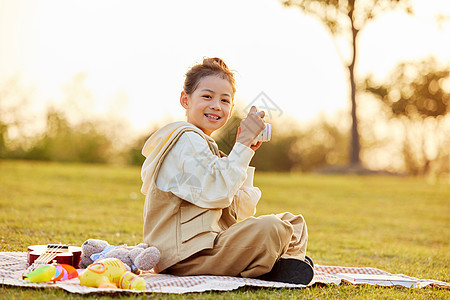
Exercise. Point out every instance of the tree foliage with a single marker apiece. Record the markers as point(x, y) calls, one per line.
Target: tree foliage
point(414, 90)
point(340, 15)
point(418, 94)
point(62, 141)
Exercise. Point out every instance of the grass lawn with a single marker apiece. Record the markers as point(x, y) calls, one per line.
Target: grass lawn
point(397, 224)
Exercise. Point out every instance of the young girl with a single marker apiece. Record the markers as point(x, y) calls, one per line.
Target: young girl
point(199, 203)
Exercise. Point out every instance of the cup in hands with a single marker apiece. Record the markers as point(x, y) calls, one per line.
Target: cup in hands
point(265, 135)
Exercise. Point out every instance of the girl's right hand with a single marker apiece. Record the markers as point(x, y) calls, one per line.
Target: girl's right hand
point(251, 126)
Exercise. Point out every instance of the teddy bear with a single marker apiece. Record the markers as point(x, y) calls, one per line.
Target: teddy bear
point(139, 257)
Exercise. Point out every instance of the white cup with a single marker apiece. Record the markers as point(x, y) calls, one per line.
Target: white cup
point(265, 135)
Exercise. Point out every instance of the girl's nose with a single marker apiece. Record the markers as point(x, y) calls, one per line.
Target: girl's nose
point(214, 104)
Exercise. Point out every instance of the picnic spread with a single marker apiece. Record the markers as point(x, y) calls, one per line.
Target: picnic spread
point(14, 264)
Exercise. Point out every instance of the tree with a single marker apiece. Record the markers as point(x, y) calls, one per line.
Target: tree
point(418, 94)
point(349, 17)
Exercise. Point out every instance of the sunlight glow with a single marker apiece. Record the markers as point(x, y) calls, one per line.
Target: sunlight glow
point(135, 53)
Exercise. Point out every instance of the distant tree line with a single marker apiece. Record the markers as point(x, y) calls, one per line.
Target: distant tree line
point(86, 139)
point(416, 95)
point(303, 148)
point(62, 141)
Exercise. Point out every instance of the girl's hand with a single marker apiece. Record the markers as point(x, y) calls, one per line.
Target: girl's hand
point(251, 126)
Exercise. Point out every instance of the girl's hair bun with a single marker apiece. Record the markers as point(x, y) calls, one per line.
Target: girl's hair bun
point(215, 60)
point(210, 66)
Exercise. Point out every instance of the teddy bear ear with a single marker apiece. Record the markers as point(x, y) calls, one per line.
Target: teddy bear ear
point(147, 259)
point(142, 245)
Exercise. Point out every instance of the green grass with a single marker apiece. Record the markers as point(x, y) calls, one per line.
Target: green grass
point(398, 224)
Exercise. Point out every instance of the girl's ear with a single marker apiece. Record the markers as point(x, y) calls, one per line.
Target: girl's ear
point(184, 101)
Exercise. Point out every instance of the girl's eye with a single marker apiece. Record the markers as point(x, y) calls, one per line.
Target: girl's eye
point(207, 96)
point(226, 100)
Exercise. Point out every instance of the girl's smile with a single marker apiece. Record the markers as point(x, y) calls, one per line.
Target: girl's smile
point(212, 117)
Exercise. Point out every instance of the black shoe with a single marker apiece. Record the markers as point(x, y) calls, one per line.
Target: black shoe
point(290, 270)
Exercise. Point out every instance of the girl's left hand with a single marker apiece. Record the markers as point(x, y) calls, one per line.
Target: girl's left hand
point(253, 147)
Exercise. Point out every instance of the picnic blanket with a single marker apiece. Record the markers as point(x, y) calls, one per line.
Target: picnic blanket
point(13, 265)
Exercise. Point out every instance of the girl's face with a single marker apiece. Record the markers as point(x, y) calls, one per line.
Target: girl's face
point(209, 106)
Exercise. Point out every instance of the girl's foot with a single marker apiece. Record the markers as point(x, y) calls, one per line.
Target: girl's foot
point(290, 270)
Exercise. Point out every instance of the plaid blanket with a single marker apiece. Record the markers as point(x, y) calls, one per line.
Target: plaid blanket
point(13, 265)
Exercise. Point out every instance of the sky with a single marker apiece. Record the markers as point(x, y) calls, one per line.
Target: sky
point(134, 54)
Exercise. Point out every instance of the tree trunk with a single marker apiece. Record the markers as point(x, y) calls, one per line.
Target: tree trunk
point(355, 145)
